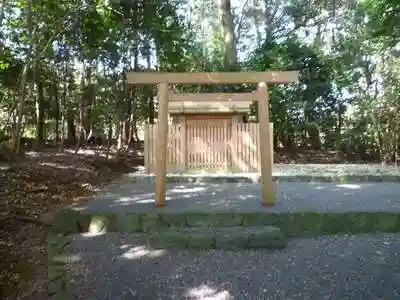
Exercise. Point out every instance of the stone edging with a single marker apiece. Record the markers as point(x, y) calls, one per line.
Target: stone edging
point(291, 223)
point(57, 286)
point(251, 237)
point(334, 178)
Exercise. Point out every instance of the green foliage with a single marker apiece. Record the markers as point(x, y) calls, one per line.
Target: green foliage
point(346, 97)
point(384, 19)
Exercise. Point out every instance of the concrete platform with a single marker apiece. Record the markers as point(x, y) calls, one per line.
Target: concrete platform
point(301, 209)
point(243, 197)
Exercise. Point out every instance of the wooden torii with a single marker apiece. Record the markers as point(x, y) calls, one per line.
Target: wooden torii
point(164, 79)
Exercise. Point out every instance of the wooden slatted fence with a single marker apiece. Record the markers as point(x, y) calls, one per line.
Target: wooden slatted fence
point(215, 146)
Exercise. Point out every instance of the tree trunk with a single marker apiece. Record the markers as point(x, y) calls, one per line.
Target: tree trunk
point(3, 4)
point(87, 100)
point(2, 10)
point(125, 122)
point(63, 100)
point(16, 136)
point(58, 112)
point(71, 128)
point(230, 55)
point(109, 136)
point(149, 89)
point(339, 125)
point(133, 95)
point(39, 102)
point(120, 134)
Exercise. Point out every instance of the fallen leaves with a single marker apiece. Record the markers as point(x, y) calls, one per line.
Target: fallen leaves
point(38, 184)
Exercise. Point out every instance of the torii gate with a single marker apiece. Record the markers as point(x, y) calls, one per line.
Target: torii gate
point(164, 79)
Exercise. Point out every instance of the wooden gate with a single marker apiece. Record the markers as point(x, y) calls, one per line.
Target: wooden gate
point(208, 144)
point(212, 146)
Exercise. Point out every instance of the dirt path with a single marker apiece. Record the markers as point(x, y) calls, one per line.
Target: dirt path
point(36, 185)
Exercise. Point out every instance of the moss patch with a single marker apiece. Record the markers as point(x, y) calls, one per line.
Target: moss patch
point(292, 224)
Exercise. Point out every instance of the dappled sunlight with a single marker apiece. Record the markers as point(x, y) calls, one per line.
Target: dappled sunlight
point(74, 258)
point(245, 151)
point(349, 186)
point(247, 139)
point(222, 203)
point(150, 200)
point(337, 187)
point(37, 154)
point(206, 292)
point(120, 266)
point(33, 154)
point(178, 191)
point(175, 192)
point(182, 189)
point(193, 194)
point(4, 167)
point(224, 196)
point(138, 252)
point(245, 197)
point(63, 167)
point(92, 234)
point(139, 169)
point(67, 258)
point(88, 186)
point(97, 227)
point(89, 152)
point(78, 207)
point(135, 198)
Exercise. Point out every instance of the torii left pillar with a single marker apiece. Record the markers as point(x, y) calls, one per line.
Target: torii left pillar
point(162, 143)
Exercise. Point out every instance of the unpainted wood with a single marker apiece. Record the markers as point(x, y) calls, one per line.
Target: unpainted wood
point(209, 107)
point(242, 142)
point(267, 194)
point(213, 97)
point(147, 153)
point(162, 143)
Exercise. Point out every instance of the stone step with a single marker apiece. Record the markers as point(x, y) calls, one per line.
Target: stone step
point(291, 223)
point(238, 237)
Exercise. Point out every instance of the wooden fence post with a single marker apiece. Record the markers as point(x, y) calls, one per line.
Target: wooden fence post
point(271, 141)
point(146, 148)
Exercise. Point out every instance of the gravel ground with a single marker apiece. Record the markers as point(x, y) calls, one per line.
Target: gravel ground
point(314, 169)
point(120, 266)
point(333, 169)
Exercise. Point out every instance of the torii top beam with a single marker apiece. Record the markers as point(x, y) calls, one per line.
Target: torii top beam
point(271, 77)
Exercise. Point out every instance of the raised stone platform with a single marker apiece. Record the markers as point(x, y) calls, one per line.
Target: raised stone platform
point(300, 208)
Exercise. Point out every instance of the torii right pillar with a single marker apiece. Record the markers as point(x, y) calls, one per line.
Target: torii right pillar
point(266, 150)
